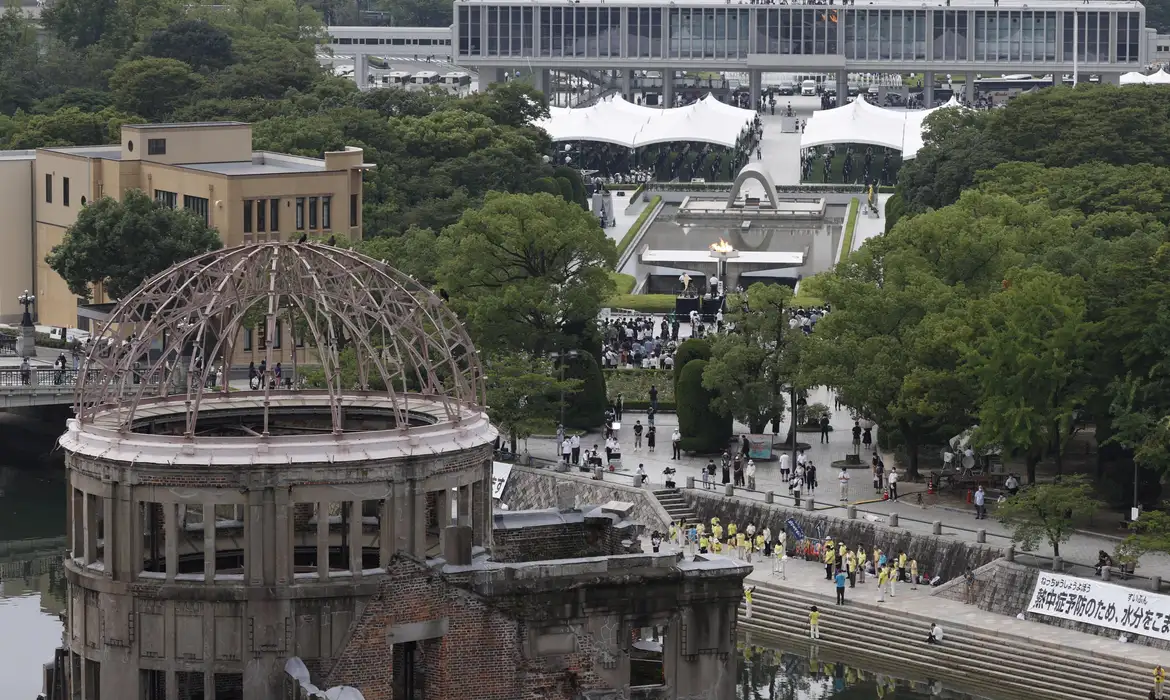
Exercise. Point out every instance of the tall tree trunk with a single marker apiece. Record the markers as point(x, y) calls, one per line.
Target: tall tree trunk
point(911, 457)
point(1055, 549)
point(1030, 462)
point(513, 440)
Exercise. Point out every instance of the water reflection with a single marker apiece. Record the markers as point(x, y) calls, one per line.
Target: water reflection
point(774, 673)
point(32, 530)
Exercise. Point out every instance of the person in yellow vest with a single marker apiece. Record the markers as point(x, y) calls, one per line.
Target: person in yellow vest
point(861, 557)
point(731, 530)
point(877, 558)
point(714, 522)
point(913, 574)
point(881, 577)
point(814, 623)
point(760, 545)
point(704, 544)
point(830, 559)
point(717, 530)
point(747, 596)
point(672, 533)
point(841, 549)
point(891, 579)
point(851, 568)
point(740, 545)
point(902, 565)
point(1159, 681)
point(718, 546)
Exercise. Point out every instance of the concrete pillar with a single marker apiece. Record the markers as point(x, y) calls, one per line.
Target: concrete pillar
point(540, 81)
point(208, 542)
point(969, 87)
point(690, 482)
point(361, 70)
point(851, 512)
point(728, 489)
point(928, 89)
point(109, 544)
point(810, 504)
point(171, 527)
point(1156, 584)
point(937, 528)
point(90, 527)
point(668, 87)
point(492, 75)
point(464, 519)
point(481, 514)
point(257, 556)
point(893, 522)
point(1011, 552)
point(418, 539)
point(355, 538)
point(708, 667)
point(386, 542)
point(755, 78)
point(77, 520)
point(628, 85)
point(769, 496)
point(283, 522)
point(842, 87)
point(1106, 573)
point(323, 540)
point(443, 515)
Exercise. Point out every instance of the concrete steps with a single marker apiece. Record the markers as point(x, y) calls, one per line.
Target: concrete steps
point(1015, 666)
point(676, 506)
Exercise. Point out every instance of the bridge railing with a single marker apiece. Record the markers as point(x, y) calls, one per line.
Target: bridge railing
point(39, 377)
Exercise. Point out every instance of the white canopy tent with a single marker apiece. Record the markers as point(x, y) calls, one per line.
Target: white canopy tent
point(1160, 77)
point(1133, 78)
point(861, 122)
point(618, 121)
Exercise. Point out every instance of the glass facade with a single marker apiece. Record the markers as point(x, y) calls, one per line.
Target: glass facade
point(860, 34)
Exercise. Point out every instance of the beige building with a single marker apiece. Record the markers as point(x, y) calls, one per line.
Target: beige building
point(208, 168)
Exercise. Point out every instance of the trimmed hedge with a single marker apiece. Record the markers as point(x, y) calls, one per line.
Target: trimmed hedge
point(643, 303)
point(689, 349)
point(634, 385)
point(850, 225)
point(638, 223)
point(702, 429)
point(585, 410)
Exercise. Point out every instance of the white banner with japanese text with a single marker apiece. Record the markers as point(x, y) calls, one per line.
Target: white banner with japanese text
point(1103, 604)
point(500, 473)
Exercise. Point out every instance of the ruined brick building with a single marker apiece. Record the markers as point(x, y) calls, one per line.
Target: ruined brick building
point(342, 523)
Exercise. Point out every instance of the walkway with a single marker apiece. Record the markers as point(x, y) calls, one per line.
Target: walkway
point(914, 516)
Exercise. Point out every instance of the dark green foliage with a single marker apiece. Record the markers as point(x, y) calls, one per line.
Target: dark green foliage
point(585, 409)
point(575, 182)
point(690, 349)
point(565, 189)
point(194, 42)
point(701, 428)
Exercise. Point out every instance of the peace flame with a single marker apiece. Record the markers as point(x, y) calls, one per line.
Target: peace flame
point(721, 247)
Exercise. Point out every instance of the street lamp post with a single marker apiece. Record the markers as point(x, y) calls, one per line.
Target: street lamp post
point(561, 355)
point(28, 337)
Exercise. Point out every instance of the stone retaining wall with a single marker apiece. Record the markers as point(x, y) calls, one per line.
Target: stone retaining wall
point(936, 555)
point(530, 488)
point(1006, 588)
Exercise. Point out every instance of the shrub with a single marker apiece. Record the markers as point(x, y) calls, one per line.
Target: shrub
point(628, 239)
point(702, 429)
point(634, 385)
point(690, 349)
point(814, 412)
point(585, 409)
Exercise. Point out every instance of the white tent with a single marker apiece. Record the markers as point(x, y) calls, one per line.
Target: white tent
point(1133, 78)
point(913, 135)
point(618, 121)
point(1159, 78)
point(861, 122)
point(856, 122)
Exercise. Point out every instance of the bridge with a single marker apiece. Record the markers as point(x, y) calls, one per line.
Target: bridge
point(38, 386)
point(33, 557)
point(431, 47)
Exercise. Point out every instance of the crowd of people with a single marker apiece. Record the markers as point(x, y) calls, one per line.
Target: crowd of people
point(855, 166)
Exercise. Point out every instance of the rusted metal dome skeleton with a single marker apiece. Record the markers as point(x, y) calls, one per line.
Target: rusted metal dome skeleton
point(166, 338)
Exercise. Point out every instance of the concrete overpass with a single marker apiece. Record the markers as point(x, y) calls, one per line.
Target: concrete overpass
point(396, 44)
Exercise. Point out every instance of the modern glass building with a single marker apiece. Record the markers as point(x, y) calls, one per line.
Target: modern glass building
point(1105, 37)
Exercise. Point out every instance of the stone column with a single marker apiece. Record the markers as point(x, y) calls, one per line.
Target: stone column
point(361, 70)
point(284, 519)
point(418, 522)
point(698, 658)
point(928, 89)
point(628, 85)
point(209, 543)
point(464, 518)
point(540, 81)
point(402, 511)
point(323, 540)
point(171, 528)
point(387, 545)
point(89, 511)
point(668, 87)
point(969, 87)
point(842, 87)
point(257, 560)
point(755, 78)
point(443, 515)
point(77, 520)
point(355, 538)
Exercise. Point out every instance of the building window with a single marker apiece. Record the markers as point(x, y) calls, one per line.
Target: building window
point(247, 216)
point(65, 191)
point(198, 206)
point(312, 213)
point(156, 147)
point(168, 199)
point(261, 216)
point(300, 213)
point(247, 341)
point(327, 213)
point(274, 215)
point(353, 210)
point(48, 188)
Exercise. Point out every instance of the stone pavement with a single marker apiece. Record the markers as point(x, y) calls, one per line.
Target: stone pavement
point(914, 517)
point(810, 577)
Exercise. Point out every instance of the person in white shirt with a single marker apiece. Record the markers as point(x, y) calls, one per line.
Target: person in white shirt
point(675, 440)
point(935, 636)
point(893, 482)
point(750, 473)
point(575, 447)
point(843, 479)
point(980, 510)
point(785, 466)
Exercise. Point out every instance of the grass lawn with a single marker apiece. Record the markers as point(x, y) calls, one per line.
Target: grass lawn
point(837, 164)
point(637, 225)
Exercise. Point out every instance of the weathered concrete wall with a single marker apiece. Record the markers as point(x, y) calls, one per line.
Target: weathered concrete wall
point(1006, 588)
point(565, 536)
point(935, 555)
point(530, 488)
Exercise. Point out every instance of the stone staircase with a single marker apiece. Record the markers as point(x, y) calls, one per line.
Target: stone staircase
point(676, 506)
point(1000, 665)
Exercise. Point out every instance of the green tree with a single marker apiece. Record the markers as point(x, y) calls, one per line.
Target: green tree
point(1048, 512)
point(80, 23)
point(122, 244)
point(585, 405)
point(194, 42)
point(1149, 533)
point(66, 127)
point(689, 349)
point(416, 252)
point(703, 429)
point(526, 271)
point(1027, 353)
point(522, 393)
point(22, 78)
point(514, 103)
point(153, 87)
point(751, 364)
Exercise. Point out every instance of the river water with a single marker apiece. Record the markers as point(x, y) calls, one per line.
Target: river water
point(32, 530)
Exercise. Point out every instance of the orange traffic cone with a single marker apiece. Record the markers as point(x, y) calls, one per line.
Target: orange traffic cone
point(886, 494)
point(930, 485)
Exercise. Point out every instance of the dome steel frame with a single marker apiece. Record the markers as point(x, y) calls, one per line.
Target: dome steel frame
point(165, 338)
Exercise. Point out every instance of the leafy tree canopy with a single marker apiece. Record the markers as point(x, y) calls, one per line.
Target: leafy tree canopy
point(122, 244)
point(1048, 512)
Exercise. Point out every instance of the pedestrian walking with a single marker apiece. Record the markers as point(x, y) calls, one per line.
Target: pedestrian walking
point(980, 509)
point(747, 596)
point(750, 471)
point(726, 459)
point(25, 372)
point(566, 451)
point(824, 429)
point(839, 578)
point(650, 439)
point(861, 559)
point(830, 558)
point(638, 429)
point(785, 468)
point(891, 580)
point(737, 470)
point(857, 436)
point(779, 558)
point(655, 541)
point(814, 620)
point(711, 473)
point(654, 397)
point(675, 443)
point(893, 481)
point(851, 568)
point(843, 479)
point(1159, 681)
point(913, 574)
point(881, 580)
point(707, 476)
